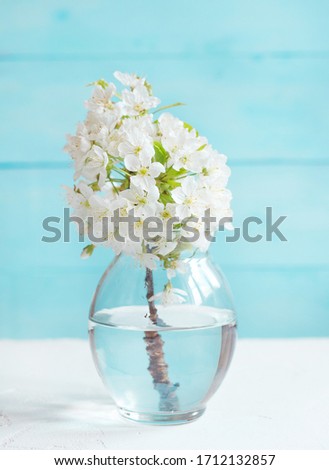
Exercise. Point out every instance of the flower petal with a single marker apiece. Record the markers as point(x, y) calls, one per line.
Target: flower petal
point(132, 163)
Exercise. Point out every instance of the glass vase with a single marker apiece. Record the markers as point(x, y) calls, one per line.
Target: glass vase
point(162, 363)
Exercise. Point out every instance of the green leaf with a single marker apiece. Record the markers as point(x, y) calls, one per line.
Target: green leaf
point(87, 251)
point(101, 82)
point(168, 107)
point(173, 184)
point(148, 86)
point(174, 174)
point(94, 186)
point(202, 147)
point(165, 197)
point(190, 128)
point(160, 154)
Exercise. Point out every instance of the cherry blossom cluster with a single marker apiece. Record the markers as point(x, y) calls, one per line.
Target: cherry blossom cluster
point(127, 157)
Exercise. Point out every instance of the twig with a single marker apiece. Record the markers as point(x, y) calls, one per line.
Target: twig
point(158, 367)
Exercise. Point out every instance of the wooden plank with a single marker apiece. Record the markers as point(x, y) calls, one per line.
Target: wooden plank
point(264, 110)
point(203, 28)
point(283, 302)
point(300, 193)
point(278, 287)
point(54, 302)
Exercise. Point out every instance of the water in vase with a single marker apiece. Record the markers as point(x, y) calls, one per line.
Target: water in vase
point(198, 343)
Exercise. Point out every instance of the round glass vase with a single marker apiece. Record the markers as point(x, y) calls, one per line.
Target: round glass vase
point(162, 363)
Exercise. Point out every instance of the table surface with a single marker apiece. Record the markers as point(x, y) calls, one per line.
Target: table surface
point(275, 396)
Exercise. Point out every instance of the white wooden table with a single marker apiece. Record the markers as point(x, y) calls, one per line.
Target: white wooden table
point(275, 396)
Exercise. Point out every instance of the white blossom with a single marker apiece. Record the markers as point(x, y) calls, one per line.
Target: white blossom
point(170, 295)
point(138, 100)
point(176, 266)
point(181, 143)
point(136, 144)
point(213, 168)
point(129, 79)
point(187, 198)
point(92, 165)
point(97, 128)
point(146, 170)
point(78, 198)
point(101, 99)
point(77, 145)
point(143, 124)
point(164, 247)
point(147, 260)
point(143, 202)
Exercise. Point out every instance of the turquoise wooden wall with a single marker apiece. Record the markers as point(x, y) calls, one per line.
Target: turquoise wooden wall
point(255, 76)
